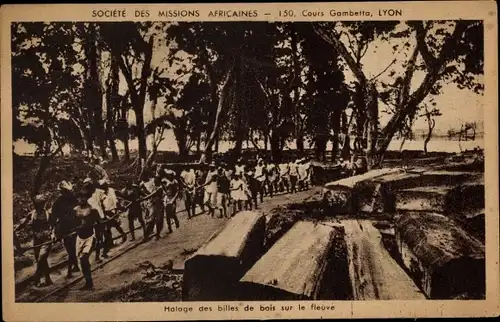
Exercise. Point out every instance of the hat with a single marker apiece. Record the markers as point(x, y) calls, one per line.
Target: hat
point(65, 185)
point(170, 172)
point(39, 200)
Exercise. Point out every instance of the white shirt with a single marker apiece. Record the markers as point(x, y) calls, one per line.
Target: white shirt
point(239, 169)
point(212, 187)
point(95, 201)
point(189, 177)
point(110, 202)
point(149, 185)
point(302, 170)
point(259, 171)
point(283, 168)
point(293, 168)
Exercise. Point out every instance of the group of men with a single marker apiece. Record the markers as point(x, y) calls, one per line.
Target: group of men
point(242, 186)
point(82, 218)
point(84, 213)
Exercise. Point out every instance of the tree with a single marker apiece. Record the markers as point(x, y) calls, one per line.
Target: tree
point(325, 96)
point(430, 114)
point(43, 82)
point(132, 47)
point(446, 52)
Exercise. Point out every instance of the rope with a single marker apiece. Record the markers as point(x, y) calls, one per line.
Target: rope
point(122, 209)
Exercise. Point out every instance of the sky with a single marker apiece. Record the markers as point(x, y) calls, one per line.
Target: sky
point(457, 106)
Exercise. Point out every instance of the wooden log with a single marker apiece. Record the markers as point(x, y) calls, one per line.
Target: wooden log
point(449, 198)
point(377, 195)
point(441, 257)
point(340, 196)
point(307, 263)
point(423, 199)
point(212, 273)
point(373, 272)
point(325, 173)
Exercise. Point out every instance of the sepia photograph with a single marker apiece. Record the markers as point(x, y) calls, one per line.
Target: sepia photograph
point(248, 161)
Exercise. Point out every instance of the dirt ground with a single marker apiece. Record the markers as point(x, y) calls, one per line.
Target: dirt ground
point(150, 271)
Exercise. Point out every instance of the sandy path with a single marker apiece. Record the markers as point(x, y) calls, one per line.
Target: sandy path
point(375, 275)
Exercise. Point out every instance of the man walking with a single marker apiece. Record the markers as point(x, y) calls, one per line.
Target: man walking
point(260, 176)
point(63, 220)
point(171, 192)
point(96, 196)
point(87, 220)
point(132, 194)
point(188, 181)
point(38, 221)
point(110, 204)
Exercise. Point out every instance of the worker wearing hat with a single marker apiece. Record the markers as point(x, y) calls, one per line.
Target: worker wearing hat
point(110, 207)
point(171, 193)
point(38, 221)
point(63, 220)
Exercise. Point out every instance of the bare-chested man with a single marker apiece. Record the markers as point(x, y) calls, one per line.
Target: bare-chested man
point(38, 222)
point(87, 218)
point(63, 221)
point(132, 194)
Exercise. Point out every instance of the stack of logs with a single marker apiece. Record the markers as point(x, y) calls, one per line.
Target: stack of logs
point(430, 213)
point(438, 219)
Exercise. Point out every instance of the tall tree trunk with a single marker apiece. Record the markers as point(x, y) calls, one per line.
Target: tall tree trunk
point(111, 103)
point(360, 108)
point(299, 135)
point(181, 138)
point(198, 144)
point(126, 148)
point(207, 154)
point(335, 121)
point(372, 123)
point(431, 123)
point(276, 147)
point(124, 131)
point(346, 126)
point(138, 96)
point(241, 130)
point(96, 95)
point(300, 142)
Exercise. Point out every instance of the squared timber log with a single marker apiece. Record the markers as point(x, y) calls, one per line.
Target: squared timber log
point(308, 263)
point(212, 273)
point(442, 258)
point(348, 195)
point(425, 198)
